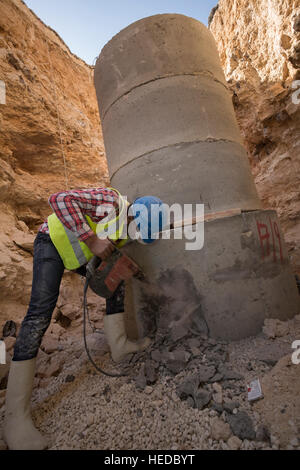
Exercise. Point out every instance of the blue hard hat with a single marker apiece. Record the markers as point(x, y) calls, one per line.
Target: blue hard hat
point(148, 213)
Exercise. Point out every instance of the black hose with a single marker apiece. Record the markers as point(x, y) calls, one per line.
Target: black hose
point(109, 374)
point(298, 282)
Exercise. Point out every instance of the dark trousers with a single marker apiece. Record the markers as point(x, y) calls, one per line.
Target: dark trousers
point(48, 270)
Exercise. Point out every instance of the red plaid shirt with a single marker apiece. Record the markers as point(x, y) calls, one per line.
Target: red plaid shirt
point(71, 207)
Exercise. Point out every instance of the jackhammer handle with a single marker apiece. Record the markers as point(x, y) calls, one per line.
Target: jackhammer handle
point(92, 265)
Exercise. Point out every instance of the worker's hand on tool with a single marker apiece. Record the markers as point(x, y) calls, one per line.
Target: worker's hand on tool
point(101, 248)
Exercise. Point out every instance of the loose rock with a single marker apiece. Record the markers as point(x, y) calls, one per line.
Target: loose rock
point(234, 443)
point(241, 425)
point(219, 429)
point(202, 398)
point(263, 434)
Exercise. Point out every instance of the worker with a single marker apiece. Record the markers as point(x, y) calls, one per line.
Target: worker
point(67, 239)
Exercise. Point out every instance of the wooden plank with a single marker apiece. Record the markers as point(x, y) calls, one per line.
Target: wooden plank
point(207, 217)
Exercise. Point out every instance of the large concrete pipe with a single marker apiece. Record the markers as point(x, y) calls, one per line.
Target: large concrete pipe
point(170, 130)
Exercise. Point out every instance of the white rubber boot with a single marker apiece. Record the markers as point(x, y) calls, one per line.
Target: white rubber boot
point(120, 345)
point(19, 431)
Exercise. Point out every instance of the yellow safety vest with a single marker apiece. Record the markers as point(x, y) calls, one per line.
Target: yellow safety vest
point(75, 253)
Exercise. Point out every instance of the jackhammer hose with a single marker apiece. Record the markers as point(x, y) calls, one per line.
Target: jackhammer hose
point(109, 374)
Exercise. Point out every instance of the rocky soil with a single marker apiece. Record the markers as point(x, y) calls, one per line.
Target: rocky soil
point(188, 399)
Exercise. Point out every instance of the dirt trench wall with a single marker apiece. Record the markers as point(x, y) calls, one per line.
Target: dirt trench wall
point(50, 109)
point(259, 48)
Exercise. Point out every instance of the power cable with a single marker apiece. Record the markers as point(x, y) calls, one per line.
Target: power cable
point(85, 314)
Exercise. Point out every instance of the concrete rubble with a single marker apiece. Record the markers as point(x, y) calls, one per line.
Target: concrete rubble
point(198, 401)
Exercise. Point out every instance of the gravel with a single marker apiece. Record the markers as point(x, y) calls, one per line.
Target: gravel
point(155, 407)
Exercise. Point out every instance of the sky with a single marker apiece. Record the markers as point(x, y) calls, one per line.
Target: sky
point(87, 25)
